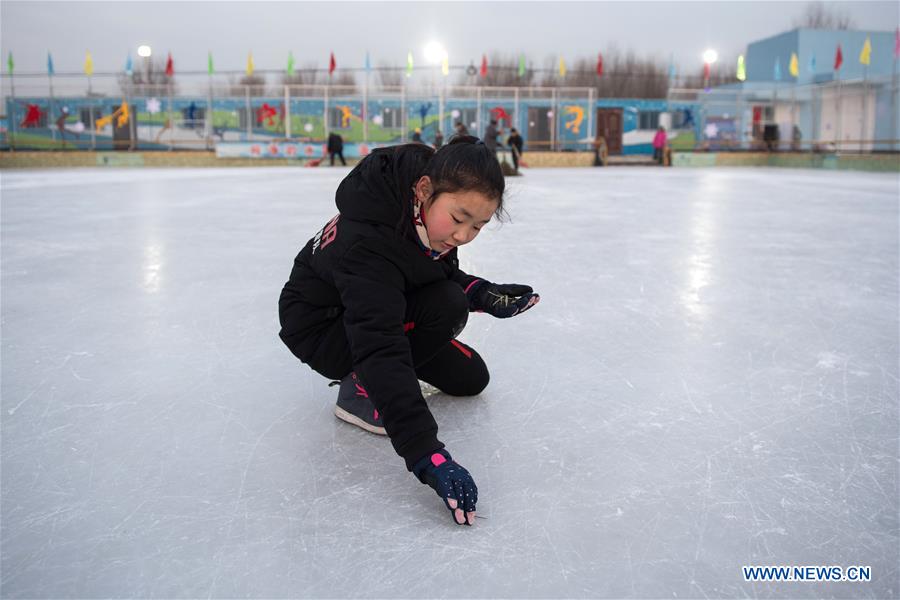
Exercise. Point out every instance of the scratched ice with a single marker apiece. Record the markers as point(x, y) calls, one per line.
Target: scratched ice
point(710, 381)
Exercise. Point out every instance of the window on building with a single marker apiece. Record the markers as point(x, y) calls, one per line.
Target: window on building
point(390, 117)
point(682, 118)
point(648, 120)
point(85, 114)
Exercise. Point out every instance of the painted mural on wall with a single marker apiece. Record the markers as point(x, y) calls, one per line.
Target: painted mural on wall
point(195, 122)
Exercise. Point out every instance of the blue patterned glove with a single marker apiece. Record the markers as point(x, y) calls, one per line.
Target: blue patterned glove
point(502, 300)
point(451, 482)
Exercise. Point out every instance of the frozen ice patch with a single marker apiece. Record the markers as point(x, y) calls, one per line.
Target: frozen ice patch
point(829, 360)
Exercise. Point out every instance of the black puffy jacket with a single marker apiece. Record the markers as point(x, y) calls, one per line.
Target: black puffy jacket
point(359, 268)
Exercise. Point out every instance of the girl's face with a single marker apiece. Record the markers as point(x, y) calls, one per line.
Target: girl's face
point(453, 218)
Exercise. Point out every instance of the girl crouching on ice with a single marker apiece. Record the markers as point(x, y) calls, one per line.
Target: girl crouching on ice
point(376, 298)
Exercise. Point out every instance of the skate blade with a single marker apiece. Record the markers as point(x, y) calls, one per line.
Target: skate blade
point(343, 415)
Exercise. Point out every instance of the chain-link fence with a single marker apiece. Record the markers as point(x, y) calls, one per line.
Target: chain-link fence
point(197, 111)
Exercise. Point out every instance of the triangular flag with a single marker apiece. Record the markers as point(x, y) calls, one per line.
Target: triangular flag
point(777, 69)
point(88, 64)
point(332, 64)
point(368, 63)
point(672, 66)
point(409, 64)
point(865, 55)
point(562, 67)
point(129, 66)
point(170, 66)
point(795, 65)
point(445, 65)
point(599, 65)
point(483, 65)
point(812, 64)
point(249, 64)
point(741, 69)
point(209, 63)
point(50, 70)
point(838, 58)
point(9, 63)
point(521, 65)
point(897, 43)
point(290, 63)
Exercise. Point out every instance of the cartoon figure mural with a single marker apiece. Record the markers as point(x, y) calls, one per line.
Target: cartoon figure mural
point(121, 115)
point(33, 115)
point(577, 114)
point(61, 123)
point(266, 113)
point(346, 115)
point(498, 113)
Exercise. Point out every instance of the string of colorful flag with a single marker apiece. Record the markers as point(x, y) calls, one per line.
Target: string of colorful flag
point(865, 58)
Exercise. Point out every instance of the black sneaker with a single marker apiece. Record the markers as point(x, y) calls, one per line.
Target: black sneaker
point(354, 406)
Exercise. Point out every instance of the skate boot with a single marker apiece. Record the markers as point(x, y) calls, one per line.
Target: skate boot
point(354, 406)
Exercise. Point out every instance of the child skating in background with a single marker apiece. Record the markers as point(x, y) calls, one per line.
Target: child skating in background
point(376, 298)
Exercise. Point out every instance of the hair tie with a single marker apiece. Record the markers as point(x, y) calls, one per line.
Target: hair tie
point(479, 142)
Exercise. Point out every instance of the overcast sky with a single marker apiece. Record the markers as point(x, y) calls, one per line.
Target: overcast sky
point(388, 30)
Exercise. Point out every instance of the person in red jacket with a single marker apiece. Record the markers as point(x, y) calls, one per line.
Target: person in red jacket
point(659, 145)
point(376, 298)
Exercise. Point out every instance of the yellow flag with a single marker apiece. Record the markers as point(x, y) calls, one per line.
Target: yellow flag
point(741, 69)
point(445, 65)
point(865, 57)
point(562, 67)
point(249, 63)
point(795, 65)
point(88, 64)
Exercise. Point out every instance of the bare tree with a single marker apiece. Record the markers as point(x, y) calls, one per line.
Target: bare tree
point(308, 74)
point(389, 75)
point(816, 15)
point(149, 79)
point(624, 75)
point(503, 71)
point(346, 80)
point(256, 83)
point(722, 72)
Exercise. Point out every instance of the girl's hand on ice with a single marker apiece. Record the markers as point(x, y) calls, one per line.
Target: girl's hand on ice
point(502, 300)
point(451, 482)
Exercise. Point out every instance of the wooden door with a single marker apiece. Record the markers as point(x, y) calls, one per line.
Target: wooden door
point(609, 127)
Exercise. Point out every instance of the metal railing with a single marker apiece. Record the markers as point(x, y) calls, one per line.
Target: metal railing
point(197, 111)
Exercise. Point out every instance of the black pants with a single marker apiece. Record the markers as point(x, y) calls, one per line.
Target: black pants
point(515, 156)
point(435, 315)
point(340, 154)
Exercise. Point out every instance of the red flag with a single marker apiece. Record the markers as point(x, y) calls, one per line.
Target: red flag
point(332, 65)
point(599, 65)
point(170, 66)
point(838, 58)
point(706, 71)
point(483, 65)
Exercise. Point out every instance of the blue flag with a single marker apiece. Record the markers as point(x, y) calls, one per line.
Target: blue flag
point(777, 69)
point(672, 66)
point(128, 66)
point(368, 64)
point(50, 70)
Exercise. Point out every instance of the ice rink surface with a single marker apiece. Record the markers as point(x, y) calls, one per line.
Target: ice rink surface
point(710, 381)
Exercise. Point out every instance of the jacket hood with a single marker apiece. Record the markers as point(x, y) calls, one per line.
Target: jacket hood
point(379, 188)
